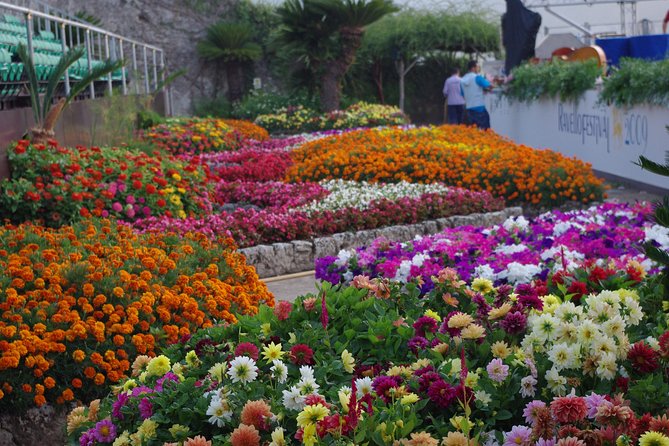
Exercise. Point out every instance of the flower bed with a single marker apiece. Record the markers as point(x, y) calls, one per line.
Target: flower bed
point(59, 185)
point(197, 135)
point(516, 252)
point(249, 227)
point(300, 119)
point(455, 155)
point(376, 365)
point(78, 303)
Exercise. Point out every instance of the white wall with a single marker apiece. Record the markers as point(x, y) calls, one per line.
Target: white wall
point(609, 138)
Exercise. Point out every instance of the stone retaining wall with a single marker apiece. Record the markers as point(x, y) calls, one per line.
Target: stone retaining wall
point(299, 255)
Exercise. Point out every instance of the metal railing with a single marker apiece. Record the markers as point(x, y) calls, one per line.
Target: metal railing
point(146, 73)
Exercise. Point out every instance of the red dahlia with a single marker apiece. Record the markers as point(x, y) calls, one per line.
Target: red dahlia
point(302, 354)
point(643, 357)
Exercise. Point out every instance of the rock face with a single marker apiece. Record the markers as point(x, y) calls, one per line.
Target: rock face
point(288, 258)
point(44, 425)
point(174, 25)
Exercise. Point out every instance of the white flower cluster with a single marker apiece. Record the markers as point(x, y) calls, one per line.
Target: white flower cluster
point(404, 270)
point(514, 272)
point(347, 194)
point(295, 397)
point(588, 339)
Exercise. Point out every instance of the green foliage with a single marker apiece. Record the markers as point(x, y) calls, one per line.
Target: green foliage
point(264, 102)
point(148, 118)
point(229, 42)
point(42, 104)
point(566, 80)
point(637, 82)
point(218, 107)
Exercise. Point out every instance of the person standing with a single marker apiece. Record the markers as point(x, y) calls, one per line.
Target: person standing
point(455, 102)
point(473, 86)
point(664, 23)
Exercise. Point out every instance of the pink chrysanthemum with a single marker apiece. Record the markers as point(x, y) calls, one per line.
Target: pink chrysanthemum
point(569, 409)
point(247, 349)
point(282, 310)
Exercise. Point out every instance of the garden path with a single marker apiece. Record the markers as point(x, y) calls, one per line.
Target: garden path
point(291, 286)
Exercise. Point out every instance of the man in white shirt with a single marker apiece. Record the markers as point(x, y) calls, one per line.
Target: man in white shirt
point(455, 103)
point(473, 86)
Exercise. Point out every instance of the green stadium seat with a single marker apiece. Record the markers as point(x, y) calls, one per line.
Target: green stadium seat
point(9, 18)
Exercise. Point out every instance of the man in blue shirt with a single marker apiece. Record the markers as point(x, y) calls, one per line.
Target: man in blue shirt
point(473, 86)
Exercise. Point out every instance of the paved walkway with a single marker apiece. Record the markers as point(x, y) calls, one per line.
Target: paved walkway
point(294, 285)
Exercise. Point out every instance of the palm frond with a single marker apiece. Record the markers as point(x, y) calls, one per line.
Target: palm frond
point(97, 72)
point(33, 83)
point(652, 166)
point(66, 61)
point(229, 42)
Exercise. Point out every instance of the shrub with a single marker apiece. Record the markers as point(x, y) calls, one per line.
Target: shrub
point(637, 82)
point(60, 185)
point(455, 155)
point(566, 80)
point(79, 302)
point(264, 102)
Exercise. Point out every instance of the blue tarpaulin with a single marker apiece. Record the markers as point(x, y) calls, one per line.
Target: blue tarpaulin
point(653, 47)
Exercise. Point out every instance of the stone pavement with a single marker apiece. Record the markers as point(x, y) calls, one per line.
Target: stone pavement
point(291, 286)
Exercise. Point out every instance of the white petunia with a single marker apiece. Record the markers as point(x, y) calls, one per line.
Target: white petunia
point(243, 369)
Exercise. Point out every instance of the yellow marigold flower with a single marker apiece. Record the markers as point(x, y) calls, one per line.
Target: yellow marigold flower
point(409, 398)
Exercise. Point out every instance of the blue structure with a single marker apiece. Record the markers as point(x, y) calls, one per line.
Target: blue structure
point(651, 47)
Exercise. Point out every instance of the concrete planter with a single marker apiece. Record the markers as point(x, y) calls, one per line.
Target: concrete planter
point(299, 255)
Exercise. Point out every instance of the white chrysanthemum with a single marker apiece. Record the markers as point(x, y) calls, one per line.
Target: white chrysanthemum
point(219, 411)
point(545, 326)
point(528, 386)
point(624, 346)
point(568, 312)
point(306, 371)
point(243, 369)
point(279, 371)
point(482, 397)
point(363, 386)
point(603, 345)
point(588, 331)
point(566, 332)
point(653, 343)
point(614, 326)
point(633, 313)
point(556, 382)
point(606, 366)
point(293, 399)
point(600, 311)
point(308, 386)
point(562, 356)
point(217, 371)
point(533, 343)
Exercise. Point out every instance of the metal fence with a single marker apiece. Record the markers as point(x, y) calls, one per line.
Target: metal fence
point(145, 64)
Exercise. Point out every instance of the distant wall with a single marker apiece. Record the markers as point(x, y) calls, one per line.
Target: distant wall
point(174, 25)
point(84, 123)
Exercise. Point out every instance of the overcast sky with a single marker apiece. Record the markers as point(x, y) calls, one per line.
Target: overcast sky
point(603, 17)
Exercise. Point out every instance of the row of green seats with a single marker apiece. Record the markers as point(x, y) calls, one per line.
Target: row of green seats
point(9, 71)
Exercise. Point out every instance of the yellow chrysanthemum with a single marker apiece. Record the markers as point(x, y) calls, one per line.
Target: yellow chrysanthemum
point(482, 285)
point(460, 320)
point(499, 312)
point(348, 361)
point(158, 366)
point(272, 351)
point(500, 350)
point(652, 438)
point(311, 415)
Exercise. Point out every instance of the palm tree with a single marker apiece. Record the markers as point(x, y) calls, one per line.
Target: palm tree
point(46, 112)
point(328, 34)
point(230, 44)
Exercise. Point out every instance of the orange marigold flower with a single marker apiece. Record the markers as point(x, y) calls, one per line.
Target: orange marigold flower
point(78, 355)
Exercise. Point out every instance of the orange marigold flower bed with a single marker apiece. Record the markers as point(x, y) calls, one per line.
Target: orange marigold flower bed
point(79, 302)
point(455, 155)
point(247, 129)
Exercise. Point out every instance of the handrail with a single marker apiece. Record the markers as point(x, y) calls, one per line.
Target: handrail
point(63, 21)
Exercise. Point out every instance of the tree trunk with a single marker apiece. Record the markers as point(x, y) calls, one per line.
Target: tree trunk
point(401, 73)
point(334, 71)
point(330, 88)
point(41, 136)
point(378, 81)
point(235, 77)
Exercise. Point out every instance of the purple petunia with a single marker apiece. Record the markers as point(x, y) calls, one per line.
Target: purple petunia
point(145, 408)
point(121, 400)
